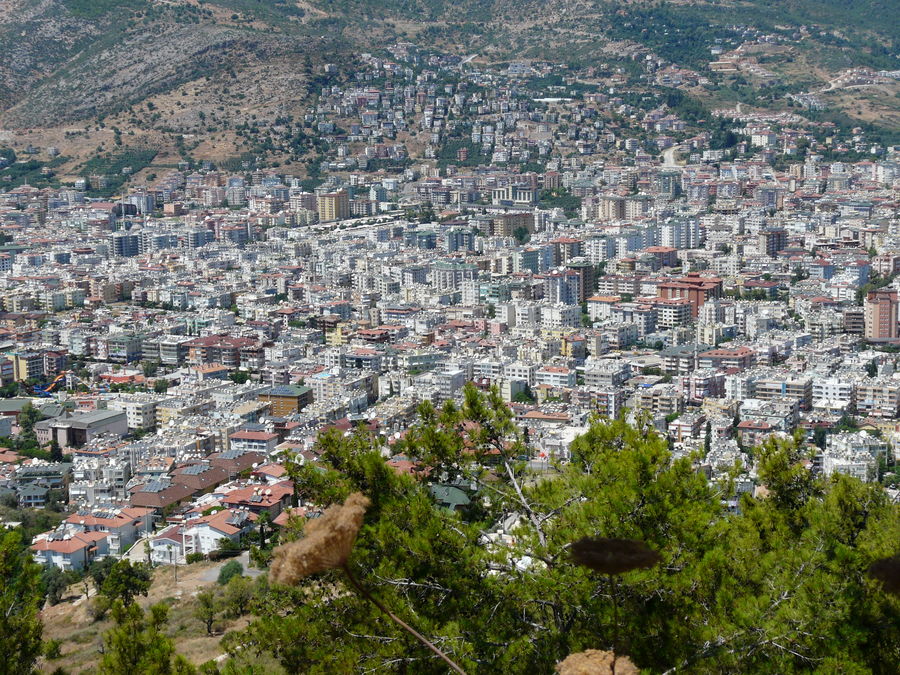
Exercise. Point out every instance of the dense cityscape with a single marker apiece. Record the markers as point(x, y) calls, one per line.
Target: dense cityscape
point(176, 340)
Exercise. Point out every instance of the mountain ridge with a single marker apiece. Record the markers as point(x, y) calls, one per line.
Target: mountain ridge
point(86, 58)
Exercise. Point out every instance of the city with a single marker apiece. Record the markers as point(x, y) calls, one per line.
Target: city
point(175, 340)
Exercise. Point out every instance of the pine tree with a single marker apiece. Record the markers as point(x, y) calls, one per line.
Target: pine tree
point(137, 644)
point(778, 587)
point(20, 600)
point(207, 609)
point(126, 580)
point(56, 454)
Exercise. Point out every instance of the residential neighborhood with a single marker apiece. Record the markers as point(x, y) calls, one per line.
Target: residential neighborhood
point(181, 344)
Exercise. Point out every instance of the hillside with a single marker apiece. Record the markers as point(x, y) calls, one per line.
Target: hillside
point(80, 636)
point(85, 58)
point(88, 76)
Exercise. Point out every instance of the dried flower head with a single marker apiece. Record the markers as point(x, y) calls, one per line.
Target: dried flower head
point(887, 571)
point(613, 556)
point(596, 662)
point(327, 542)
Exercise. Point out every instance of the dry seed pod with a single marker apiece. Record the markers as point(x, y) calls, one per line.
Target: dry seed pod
point(613, 556)
point(326, 544)
point(887, 571)
point(596, 662)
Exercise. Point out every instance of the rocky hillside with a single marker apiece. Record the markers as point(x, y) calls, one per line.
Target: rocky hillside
point(66, 61)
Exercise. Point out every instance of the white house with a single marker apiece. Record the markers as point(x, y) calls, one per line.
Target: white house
point(203, 535)
point(70, 551)
point(123, 526)
point(168, 546)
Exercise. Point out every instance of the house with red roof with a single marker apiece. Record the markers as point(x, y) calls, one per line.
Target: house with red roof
point(123, 527)
point(253, 441)
point(258, 498)
point(207, 534)
point(271, 473)
point(70, 551)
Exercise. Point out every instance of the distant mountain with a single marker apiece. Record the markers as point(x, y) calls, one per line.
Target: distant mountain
point(67, 60)
point(77, 59)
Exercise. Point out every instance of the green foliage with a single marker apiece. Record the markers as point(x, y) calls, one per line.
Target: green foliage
point(137, 643)
point(239, 376)
point(274, 11)
point(448, 153)
point(30, 172)
point(52, 650)
point(126, 580)
point(561, 199)
point(522, 235)
point(260, 558)
point(99, 570)
point(875, 283)
point(54, 582)
point(111, 165)
point(524, 396)
point(778, 587)
point(206, 609)
point(239, 593)
point(20, 599)
point(150, 368)
point(99, 608)
point(33, 521)
point(230, 570)
point(191, 558)
point(95, 9)
point(846, 423)
point(28, 417)
point(56, 453)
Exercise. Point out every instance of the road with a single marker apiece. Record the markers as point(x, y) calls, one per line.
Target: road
point(137, 553)
point(669, 156)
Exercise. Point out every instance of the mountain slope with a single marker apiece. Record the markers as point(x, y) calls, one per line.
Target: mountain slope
point(69, 60)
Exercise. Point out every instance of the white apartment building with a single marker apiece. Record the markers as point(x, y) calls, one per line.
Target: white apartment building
point(561, 316)
point(140, 410)
point(555, 376)
point(520, 371)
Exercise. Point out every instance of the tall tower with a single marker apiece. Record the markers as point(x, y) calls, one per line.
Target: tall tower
point(881, 315)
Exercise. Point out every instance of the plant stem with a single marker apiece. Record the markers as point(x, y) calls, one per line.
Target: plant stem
point(400, 622)
point(615, 597)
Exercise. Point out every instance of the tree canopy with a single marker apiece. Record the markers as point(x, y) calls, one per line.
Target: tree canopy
point(20, 600)
point(137, 643)
point(778, 586)
point(125, 580)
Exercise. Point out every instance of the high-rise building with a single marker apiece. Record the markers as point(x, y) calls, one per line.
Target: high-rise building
point(588, 278)
point(124, 244)
point(881, 315)
point(681, 233)
point(772, 240)
point(333, 206)
point(459, 239)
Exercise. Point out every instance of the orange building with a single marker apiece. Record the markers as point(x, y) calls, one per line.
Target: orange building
point(694, 287)
point(881, 315)
point(286, 399)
